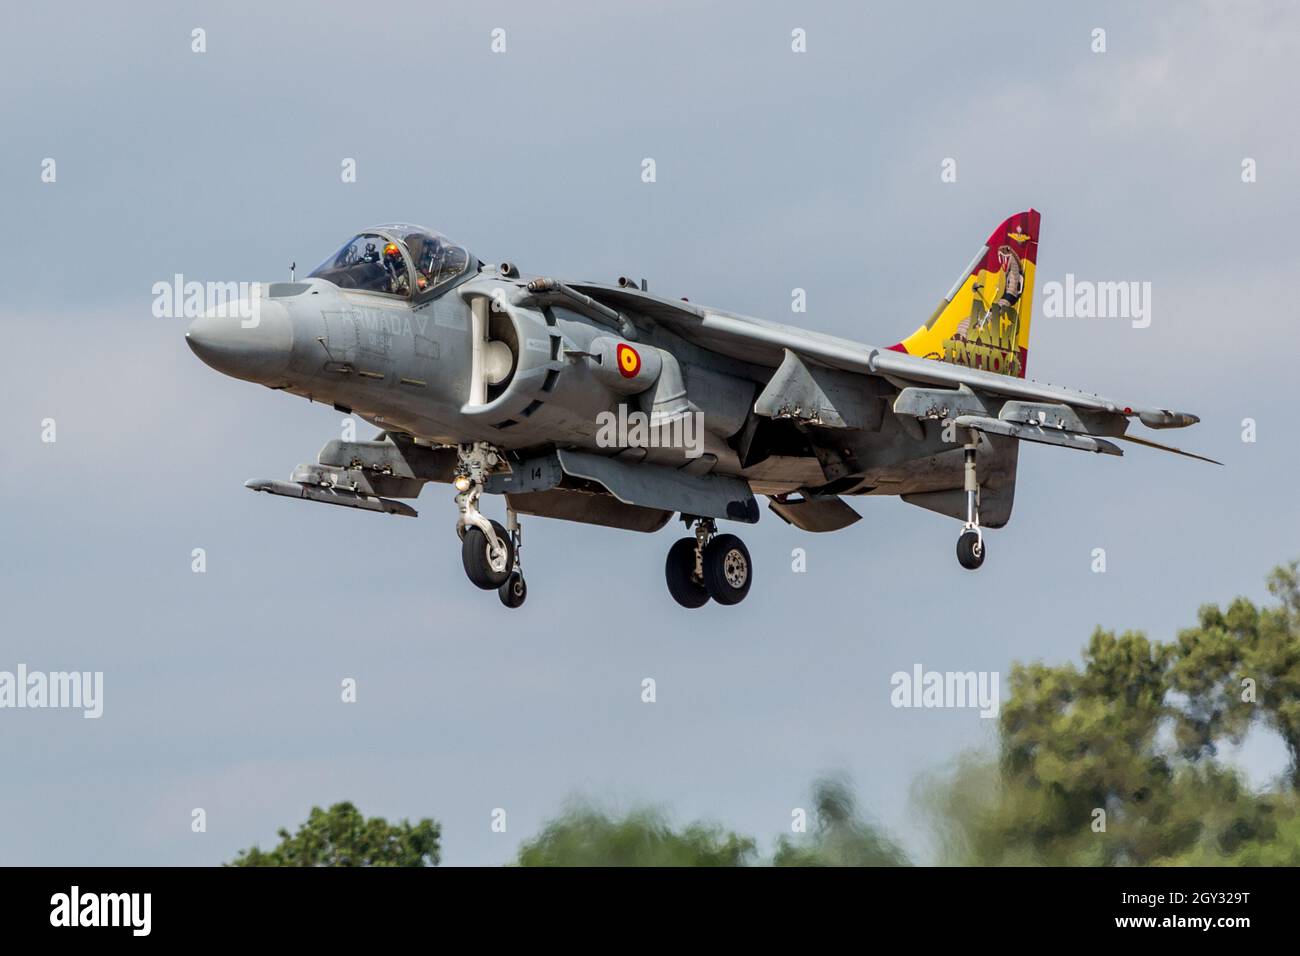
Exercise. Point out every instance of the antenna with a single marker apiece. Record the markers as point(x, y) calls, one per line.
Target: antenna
point(292, 267)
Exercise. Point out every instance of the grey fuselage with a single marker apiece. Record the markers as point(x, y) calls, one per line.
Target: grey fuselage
point(410, 366)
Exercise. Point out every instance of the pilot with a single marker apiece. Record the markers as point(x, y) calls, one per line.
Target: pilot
point(427, 259)
point(398, 280)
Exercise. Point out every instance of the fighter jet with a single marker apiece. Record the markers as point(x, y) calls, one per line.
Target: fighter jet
point(608, 404)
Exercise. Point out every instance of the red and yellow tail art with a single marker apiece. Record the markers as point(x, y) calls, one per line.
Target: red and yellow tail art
point(983, 322)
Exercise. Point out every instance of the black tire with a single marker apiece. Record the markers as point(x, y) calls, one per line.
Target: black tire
point(970, 550)
point(478, 563)
point(728, 569)
point(514, 591)
point(679, 571)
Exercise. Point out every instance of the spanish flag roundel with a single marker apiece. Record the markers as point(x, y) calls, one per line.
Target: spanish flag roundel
point(629, 362)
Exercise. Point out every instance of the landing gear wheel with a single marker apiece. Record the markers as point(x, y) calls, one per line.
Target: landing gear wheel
point(970, 550)
point(513, 592)
point(485, 567)
point(679, 570)
point(728, 570)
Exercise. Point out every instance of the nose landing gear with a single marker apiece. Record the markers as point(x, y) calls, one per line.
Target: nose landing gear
point(488, 551)
point(703, 566)
point(488, 556)
point(708, 565)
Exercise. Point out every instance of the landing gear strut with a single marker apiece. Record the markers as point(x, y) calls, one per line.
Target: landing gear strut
point(970, 545)
point(708, 565)
point(488, 551)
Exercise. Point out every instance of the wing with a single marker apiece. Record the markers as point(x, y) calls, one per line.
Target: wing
point(924, 388)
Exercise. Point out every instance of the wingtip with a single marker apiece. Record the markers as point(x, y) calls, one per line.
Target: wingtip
point(1163, 418)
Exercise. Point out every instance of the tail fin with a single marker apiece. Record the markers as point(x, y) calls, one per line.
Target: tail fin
point(983, 321)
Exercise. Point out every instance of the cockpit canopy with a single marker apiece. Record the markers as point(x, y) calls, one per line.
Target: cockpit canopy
point(385, 258)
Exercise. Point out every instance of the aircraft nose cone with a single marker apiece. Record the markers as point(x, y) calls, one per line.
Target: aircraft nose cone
point(252, 340)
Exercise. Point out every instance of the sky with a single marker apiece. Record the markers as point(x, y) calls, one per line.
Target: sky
point(775, 170)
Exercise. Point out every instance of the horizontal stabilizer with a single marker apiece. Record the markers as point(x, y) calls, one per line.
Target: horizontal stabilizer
point(331, 496)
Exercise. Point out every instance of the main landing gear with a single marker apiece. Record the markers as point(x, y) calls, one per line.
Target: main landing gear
point(709, 565)
point(970, 545)
point(489, 552)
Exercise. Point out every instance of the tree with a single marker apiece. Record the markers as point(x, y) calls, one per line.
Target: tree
point(1114, 762)
point(1241, 667)
point(341, 836)
point(585, 835)
point(1072, 742)
point(840, 836)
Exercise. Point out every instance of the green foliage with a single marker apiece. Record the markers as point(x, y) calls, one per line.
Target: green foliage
point(840, 837)
point(341, 836)
point(1129, 741)
point(1240, 667)
point(1110, 762)
point(584, 835)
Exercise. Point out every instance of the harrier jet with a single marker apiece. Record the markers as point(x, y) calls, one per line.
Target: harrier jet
point(607, 404)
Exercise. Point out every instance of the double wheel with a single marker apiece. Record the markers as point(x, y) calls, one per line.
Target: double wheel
point(493, 568)
point(723, 571)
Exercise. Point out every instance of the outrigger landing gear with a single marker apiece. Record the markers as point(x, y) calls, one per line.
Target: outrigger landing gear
point(708, 565)
point(486, 549)
point(970, 545)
